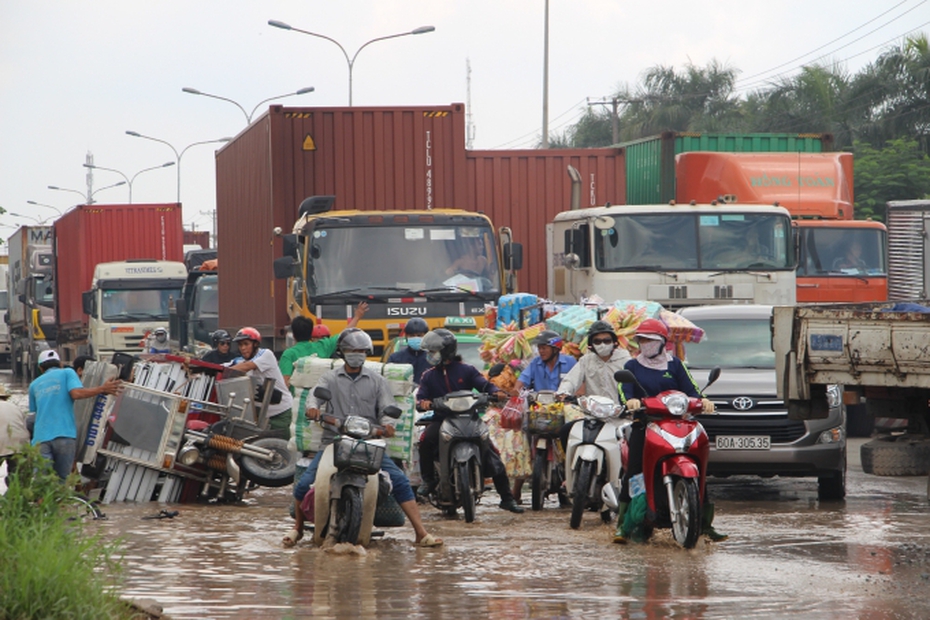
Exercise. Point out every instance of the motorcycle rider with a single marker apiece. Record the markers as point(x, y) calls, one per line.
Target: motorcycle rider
point(157, 341)
point(221, 352)
point(413, 353)
point(262, 364)
point(358, 391)
point(313, 340)
point(657, 370)
point(546, 370)
point(450, 374)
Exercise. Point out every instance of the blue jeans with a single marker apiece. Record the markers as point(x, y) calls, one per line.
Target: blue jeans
point(401, 486)
point(60, 451)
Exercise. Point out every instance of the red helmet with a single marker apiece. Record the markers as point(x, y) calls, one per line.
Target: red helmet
point(248, 333)
point(320, 331)
point(650, 328)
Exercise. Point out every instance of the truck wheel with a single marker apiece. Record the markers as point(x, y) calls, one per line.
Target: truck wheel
point(279, 472)
point(832, 487)
point(904, 455)
point(858, 421)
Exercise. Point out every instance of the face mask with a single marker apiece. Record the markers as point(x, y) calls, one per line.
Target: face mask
point(433, 358)
point(651, 348)
point(354, 359)
point(604, 350)
point(414, 342)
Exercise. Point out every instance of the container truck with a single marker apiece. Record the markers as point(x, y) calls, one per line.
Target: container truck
point(117, 271)
point(840, 259)
point(31, 315)
point(677, 255)
point(437, 265)
point(908, 249)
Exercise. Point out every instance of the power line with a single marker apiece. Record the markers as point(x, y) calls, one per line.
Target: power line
point(534, 133)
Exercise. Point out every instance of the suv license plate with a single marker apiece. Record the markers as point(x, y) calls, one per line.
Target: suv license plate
point(743, 442)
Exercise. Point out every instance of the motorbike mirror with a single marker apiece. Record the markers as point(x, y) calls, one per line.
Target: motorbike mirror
point(712, 377)
point(391, 411)
point(625, 376)
point(322, 393)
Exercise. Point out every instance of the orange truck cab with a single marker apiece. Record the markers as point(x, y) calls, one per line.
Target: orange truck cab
point(840, 259)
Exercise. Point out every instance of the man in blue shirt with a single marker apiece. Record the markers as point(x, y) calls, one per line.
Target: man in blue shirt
point(546, 371)
point(52, 397)
point(413, 354)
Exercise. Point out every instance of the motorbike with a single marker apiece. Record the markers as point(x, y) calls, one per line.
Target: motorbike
point(544, 418)
point(463, 441)
point(348, 482)
point(592, 458)
point(674, 459)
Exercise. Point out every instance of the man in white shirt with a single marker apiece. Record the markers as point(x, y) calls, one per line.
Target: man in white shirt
point(262, 364)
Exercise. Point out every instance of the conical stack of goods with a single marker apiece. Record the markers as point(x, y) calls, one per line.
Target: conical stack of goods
point(504, 346)
point(680, 329)
point(572, 323)
point(509, 307)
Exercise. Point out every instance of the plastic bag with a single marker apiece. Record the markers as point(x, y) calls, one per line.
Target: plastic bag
point(512, 413)
point(307, 505)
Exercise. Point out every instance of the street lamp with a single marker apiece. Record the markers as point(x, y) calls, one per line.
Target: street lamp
point(177, 155)
point(248, 117)
point(129, 181)
point(33, 218)
point(351, 61)
point(39, 204)
point(74, 191)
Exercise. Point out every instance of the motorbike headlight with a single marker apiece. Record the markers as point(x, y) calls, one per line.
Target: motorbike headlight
point(599, 407)
point(357, 426)
point(460, 404)
point(188, 455)
point(677, 404)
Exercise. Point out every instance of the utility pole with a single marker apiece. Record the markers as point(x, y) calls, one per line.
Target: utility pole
point(545, 114)
point(614, 116)
point(469, 121)
point(212, 215)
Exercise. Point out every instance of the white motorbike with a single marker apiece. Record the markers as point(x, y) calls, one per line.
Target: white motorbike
point(593, 458)
point(348, 481)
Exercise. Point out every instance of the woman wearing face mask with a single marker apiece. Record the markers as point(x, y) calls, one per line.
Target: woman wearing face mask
point(657, 371)
point(413, 353)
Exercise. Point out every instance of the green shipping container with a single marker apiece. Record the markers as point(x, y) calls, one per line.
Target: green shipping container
point(650, 162)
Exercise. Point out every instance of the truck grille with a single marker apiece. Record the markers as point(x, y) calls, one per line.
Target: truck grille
point(780, 429)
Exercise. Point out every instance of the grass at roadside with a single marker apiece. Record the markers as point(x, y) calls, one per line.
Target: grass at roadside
point(50, 567)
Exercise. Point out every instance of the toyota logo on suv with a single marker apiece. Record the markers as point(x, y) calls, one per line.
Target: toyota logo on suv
point(743, 403)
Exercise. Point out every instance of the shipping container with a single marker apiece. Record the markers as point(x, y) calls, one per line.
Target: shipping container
point(650, 162)
point(197, 237)
point(368, 158)
point(91, 234)
point(524, 190)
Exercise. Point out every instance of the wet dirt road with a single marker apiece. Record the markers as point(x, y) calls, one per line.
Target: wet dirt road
point(788, 554)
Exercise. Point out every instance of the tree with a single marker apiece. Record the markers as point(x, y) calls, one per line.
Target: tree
point(900, 171)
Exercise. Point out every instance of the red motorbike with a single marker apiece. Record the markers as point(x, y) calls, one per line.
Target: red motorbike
point(674, 459)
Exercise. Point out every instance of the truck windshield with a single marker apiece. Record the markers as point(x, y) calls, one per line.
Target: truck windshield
point(128, 305)
point(842, 251)
point(733, 343)
point(207, 298)
point(45, 292)
point(392, 260)
point(695, 242)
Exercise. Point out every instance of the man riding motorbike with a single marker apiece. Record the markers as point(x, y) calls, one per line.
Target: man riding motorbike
point(358, 391)
point(546, 370)
point(657, 370)
point(222, 348)
point(450, 374)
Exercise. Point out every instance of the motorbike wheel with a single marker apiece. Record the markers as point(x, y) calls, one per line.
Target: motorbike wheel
point(279, 472)
point(466, 497)
point(686, 528)
point(580, 492)
point(540, 479)
point(349, 521)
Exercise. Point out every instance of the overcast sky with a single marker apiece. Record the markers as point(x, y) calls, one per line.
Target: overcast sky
point(75, 76)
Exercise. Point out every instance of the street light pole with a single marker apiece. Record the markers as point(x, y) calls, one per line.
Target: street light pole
point(34, 219)
point(86, 198)
point(39, 204)
point(129, 181)
point(177, 155)
point(248, 117)
point(350, 61)
point(96, 191)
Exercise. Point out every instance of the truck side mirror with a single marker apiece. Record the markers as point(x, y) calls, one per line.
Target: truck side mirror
point(290, 245)
point(285, 267)
point(180, 306)
point(513, 256)
point(87, 301)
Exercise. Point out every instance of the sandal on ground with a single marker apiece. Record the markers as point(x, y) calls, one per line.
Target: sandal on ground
point(292, 538)
point(429, 541)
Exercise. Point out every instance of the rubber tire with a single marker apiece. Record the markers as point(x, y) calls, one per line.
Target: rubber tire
point(349, 522)
point(903, 455)
point(832, 487)
point(539, 481)
point(858, 421)
point(466, 497)
point(276, 474)
point(687, 496)
point(580, 492)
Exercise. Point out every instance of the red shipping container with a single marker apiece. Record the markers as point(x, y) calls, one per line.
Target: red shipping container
point(91, 234)
point(197, 237)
